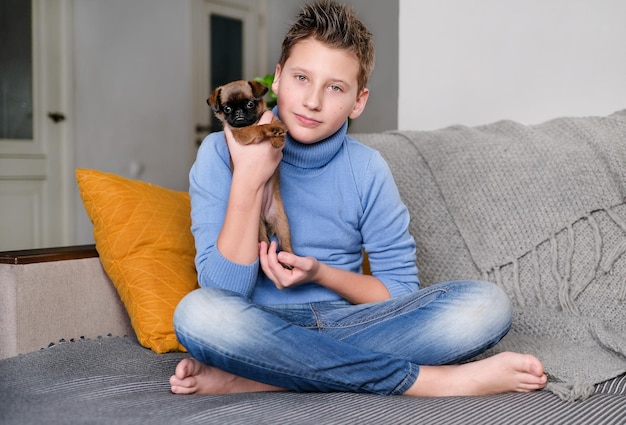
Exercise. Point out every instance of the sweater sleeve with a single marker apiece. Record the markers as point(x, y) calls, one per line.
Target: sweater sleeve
point(209, 186)
point(385, 229)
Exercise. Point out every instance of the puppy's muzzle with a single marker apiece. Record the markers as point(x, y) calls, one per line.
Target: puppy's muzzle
point(240, 117)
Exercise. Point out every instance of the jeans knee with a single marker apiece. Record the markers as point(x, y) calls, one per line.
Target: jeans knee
point(203, 311)
point(483, 308)
point(495, 307)
point(500, 302)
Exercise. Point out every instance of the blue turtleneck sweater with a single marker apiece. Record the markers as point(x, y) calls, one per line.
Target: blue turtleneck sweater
point(339, 196)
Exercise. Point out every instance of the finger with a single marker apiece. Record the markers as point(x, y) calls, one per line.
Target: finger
point(263, 254)
point(278, 271)
point(263, 259)
point(287, 258)
point(230, 139)
point(263, 249)
point(228, 133)
point(267, 117)
point(271, 253)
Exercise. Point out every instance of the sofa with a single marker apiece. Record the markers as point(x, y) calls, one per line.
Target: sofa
point(540, 210)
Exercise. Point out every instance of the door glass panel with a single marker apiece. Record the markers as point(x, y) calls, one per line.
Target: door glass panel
point(16, 70)
point(226, 54)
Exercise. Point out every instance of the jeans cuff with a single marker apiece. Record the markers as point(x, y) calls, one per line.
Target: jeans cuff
point(411, 377)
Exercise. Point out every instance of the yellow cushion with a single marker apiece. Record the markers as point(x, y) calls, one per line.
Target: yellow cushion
point(142, 233)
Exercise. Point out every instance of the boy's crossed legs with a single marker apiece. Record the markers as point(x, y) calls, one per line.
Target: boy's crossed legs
point(456, 321)
point(504, 372)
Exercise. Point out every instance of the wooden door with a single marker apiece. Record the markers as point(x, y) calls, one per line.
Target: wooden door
point(35, 151)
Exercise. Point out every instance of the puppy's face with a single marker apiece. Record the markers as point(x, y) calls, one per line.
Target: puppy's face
point(238, 104)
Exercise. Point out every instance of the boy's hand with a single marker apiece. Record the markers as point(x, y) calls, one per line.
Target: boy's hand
point(303, 271)
point(353, 287)
point(255, 162)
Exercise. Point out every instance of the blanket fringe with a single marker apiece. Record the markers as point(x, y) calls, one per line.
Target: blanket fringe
point(564, 282)
point(568, 292)
point(619, 250)
point(593, 271)
point(573, 391)
point(516, 284)
point(538, 279)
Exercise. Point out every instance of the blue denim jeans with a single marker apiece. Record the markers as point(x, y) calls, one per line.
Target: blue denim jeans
point(336, 346)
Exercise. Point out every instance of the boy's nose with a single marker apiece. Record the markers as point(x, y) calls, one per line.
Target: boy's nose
point(313, 98)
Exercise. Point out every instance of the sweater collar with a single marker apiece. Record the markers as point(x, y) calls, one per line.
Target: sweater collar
point(314, 155)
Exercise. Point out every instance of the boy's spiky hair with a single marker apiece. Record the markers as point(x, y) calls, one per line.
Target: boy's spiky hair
point(337, 26)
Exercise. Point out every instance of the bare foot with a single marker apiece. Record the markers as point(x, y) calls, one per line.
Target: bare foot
point(504, 372)
point(194, 377)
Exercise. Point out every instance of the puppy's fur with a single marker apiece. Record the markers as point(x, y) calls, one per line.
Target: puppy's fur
point(239, 105)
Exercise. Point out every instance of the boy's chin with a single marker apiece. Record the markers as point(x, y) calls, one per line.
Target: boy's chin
point(310, 136)
point(307, 136)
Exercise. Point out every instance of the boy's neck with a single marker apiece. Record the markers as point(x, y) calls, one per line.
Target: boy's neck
point(314, 155)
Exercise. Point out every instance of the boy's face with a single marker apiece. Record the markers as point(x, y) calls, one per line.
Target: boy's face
point(317, 90)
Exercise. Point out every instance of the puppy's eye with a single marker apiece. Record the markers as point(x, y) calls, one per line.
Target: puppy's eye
point(227, 109)
point(251, 104)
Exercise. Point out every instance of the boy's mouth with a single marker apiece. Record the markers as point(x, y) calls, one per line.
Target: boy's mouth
point(306, 121)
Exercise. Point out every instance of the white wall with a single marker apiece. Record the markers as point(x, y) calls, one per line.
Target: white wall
point(132, 71)
point(474, 62)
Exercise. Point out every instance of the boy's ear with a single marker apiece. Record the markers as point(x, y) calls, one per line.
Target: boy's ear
point(276, 79)
point(359, 105)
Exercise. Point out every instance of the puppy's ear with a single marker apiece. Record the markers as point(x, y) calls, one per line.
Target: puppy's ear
point(214, 100)
point(258, 89)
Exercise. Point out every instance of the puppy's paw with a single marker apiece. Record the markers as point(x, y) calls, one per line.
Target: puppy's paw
point(277, 142)
point(276, 131)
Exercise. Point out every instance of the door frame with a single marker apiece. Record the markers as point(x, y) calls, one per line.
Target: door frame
point(44, 166)
point(60, 58)
point(253, 14)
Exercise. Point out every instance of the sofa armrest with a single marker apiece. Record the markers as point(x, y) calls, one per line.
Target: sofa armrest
point(57, 293)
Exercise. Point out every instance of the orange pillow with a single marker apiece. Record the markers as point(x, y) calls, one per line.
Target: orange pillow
point(142, 233)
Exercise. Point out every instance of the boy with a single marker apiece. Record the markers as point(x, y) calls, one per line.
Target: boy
point(322, 326)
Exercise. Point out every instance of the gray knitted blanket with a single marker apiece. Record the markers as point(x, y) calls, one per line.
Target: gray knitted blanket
point(539, 210)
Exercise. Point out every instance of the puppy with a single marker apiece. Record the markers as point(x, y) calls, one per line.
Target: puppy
point(239, 105)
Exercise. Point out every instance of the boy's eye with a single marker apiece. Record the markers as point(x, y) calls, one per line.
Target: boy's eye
point(335, 88)
point(251, 104)
point(300, 78)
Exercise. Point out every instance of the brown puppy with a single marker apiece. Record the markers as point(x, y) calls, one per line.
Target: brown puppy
point(239, 105)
